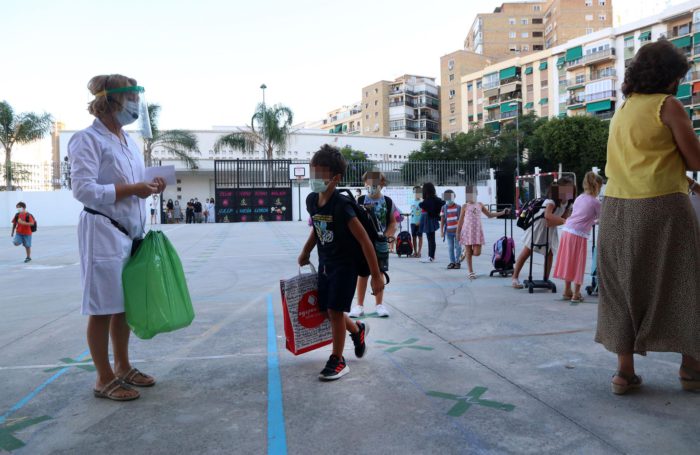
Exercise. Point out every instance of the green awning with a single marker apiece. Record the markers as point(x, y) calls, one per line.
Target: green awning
point(562, 115)
point(544, 101)
point(682, 42)
point(509, 106)
point(345, 128)
point(331, 131)
point(493, 126)
point(493, 106)
point(574, 107)
point(604, 105)
point(696, 38)
point(543, 66)
point(574, 53)
point(528, 70)
point(507, 73)
point(644, 36)
point(689, 111)
point(560, 62)
point(529, 105)
point(684, 91)
point(696, 59)
point(627, 38)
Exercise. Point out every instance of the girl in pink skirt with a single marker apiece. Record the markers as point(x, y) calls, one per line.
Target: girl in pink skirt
point(573, 248)
point(470, 229)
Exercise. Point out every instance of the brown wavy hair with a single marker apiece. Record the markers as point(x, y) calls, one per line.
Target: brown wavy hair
point(105, 105)
point(655, 68)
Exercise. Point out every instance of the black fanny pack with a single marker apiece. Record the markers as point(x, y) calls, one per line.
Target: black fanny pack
point(135, 243)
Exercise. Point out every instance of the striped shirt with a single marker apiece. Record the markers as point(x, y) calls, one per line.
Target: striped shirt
point(450, 214)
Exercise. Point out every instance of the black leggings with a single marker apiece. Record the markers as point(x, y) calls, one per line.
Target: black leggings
point(431, 244)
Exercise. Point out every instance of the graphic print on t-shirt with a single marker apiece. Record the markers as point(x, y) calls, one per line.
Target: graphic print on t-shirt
point(321, 225)
point(380, 210)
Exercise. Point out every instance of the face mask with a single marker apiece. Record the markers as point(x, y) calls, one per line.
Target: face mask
point(318, 185)
point(20, 210)
point(418, 197)
point(129, 113)
point(373, 190)
point(449, 201)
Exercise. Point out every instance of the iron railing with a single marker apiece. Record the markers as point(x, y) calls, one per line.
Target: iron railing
point(37, 177)
point(252, 173)
point(401, 173)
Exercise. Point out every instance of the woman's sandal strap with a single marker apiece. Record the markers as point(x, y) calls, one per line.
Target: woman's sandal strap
point(632, 379)
point(114, 385)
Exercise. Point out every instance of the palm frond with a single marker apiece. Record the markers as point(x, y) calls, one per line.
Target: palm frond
point(153, 117)
point(30, 127)
point(7, 119)
point(181, 153)
point(243, 141)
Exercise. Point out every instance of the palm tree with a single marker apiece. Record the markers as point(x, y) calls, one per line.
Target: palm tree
point(19, 129)
point(182, 143)
point(269, 131)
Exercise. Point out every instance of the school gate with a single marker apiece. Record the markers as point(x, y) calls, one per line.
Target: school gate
point(252, 190)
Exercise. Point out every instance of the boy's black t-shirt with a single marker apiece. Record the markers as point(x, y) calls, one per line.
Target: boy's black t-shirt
point(335, 243)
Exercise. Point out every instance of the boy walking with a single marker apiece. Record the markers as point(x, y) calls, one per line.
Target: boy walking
point(449, 219)
point(416, 213)
point(339, 235)
point(22, 229)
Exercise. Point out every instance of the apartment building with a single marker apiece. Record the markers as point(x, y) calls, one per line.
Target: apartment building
point(582, 76)
point(344, 120)
point(408, 107)
point(523, 27)
point(453, 67)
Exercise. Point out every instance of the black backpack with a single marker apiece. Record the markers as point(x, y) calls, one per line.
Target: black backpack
point(29, 215)
point(528, 214)
point(368, 220)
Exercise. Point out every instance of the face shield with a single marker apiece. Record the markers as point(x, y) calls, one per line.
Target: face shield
point(130, 108)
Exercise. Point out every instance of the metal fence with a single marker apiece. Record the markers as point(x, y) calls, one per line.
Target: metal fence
point(440, 173)
point(252, 173)
point(37, 177)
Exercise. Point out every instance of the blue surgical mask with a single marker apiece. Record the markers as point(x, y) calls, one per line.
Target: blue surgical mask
point(373, 190)
point(129, 113)
point(450, 201)
point(318, 185)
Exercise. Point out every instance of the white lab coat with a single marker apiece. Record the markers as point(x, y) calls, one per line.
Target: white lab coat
point(98, 161)
point(211, 218)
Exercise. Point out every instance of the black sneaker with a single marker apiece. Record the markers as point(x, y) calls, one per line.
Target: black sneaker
point(27, 260)
point(358, 339)
point(451, 265)
point(336, 368)
point(458, 265)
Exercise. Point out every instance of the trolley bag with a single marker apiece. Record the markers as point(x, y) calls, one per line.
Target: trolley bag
point(156, 298)
point(306, 327)
point(529, 212)
point(404, 243)
point(503, 254)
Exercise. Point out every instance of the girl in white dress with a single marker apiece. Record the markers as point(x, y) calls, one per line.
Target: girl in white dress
point(107, 173)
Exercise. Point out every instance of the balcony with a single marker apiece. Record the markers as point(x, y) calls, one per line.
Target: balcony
point(511, 114)
point(696, 99)
point(604, 74)
point(492, 118)
point(607, 54)
point(490, 85)
point(603, 115)
point(572, 84)
point(575, 101)
point(680, 31)
point(601, 96)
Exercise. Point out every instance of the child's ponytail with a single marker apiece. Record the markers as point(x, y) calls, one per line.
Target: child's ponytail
point(592, 182)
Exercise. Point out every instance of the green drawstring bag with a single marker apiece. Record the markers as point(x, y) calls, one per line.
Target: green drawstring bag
point(156, 298)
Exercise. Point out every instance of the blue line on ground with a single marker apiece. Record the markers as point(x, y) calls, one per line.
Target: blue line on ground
point(21, 403)
point(276, 436)
point(475, 446)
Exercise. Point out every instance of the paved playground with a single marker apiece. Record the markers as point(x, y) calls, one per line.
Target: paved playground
point(459, 367)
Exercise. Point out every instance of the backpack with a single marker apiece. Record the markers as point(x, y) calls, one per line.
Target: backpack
point(33, 226)
point(528, 214)
point(404, 244)
point(503, 254)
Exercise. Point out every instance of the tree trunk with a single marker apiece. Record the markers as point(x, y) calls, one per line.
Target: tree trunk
point(8, 169)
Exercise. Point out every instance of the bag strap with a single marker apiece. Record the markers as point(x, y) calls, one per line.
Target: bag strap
point(115, 223)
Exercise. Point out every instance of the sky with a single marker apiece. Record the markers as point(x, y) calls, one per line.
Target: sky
point(204, 61)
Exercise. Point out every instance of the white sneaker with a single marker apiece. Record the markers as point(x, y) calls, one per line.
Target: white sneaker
point(357, 311)
point(382, 312)
point(427, 260)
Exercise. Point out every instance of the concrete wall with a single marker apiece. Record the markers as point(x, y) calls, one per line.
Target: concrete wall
point(51, 208)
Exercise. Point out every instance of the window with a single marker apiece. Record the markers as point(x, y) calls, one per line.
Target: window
point(478, 85)
point(537, 34)
point(511, 21)
point(366, 105)
point(469, 87)
point(524, 35)
point(376, 114)
point(526, 48)
point(524, 21)
point(452, 107)
point(366, 116)
point(450, 64)
point(452, 93)
point(589, 17)
point(537, 47)
point(537, 8)
point(530, 87)
point(589, 2)
point(545, 83)
point(537, 20)
point(376, 90)
point(513, 48)
point(366, 94)
point(452, 77)
point(601, 17)
point(512, 35)
point(589, 31)
point(453, 121)
point(601, 2)
point(629, 42)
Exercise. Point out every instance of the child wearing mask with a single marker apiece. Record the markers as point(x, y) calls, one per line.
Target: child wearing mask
point(471, 229)
point(383, 208)
point(22, 229)
point(571, 260)
point(449, 218)
point(416, 213)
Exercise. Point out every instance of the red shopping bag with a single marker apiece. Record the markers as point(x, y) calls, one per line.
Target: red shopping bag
point(305, 327)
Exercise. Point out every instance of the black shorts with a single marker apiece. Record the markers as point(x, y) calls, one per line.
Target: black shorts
point(336, 287)
point(415, 230)
point(153, 211)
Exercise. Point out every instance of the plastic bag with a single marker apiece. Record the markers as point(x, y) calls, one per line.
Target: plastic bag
point(305, 327)
point(156, 298)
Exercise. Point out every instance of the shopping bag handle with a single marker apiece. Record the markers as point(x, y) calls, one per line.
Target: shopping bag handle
point(311, 266)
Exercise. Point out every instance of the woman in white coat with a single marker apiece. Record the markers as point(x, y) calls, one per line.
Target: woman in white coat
point(211, 209)
point(107, 173)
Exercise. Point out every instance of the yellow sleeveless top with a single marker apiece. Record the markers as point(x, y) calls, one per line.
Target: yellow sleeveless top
point(643, 159)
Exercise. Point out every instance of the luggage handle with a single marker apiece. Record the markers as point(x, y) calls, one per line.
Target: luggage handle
point(311, 266)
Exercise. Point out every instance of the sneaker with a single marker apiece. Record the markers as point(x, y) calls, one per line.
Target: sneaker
point(357, 311)
point(426, 260)
point(336, 368)
point(382, 312)
point(27, 260)
point(458, 266)
point(450, 266)
point(358, 339)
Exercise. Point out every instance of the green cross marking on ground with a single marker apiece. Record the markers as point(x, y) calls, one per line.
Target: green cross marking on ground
point(69, 361)
point(473, 397)
point(8, 441)
point(404, 344)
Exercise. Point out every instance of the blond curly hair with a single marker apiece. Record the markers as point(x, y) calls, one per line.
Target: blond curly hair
point(104, 104)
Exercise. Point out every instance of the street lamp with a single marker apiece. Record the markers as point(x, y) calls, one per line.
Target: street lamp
point(263, 87)
point(517, 137)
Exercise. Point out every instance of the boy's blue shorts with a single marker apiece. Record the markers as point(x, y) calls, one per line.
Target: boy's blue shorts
point(336, 287)
point(21, 239)
point(415, 230)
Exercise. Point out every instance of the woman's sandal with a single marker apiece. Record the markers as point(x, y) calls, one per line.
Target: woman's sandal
point(692, 383)
point(109, 390)
point(129, 377)
point(516, 284)
point(567, 297)
point(633, 382)
point(472, 276)
point(577, 298)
